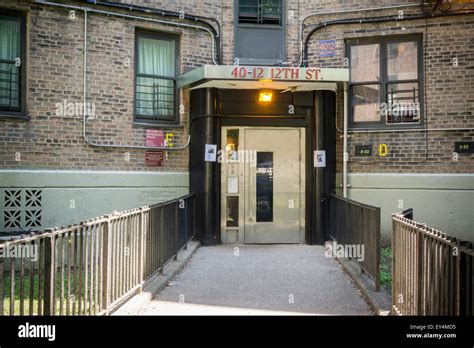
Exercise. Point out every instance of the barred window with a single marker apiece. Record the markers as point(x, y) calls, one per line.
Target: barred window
point(260, 12)
point(386, 81)
point(12, 67)
point(155, 78)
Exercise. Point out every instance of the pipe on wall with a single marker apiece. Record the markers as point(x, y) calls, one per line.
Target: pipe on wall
point(146, 19)
point(160, 12)
point(299, 58)
point(365, 20)
point(84, 121)
point(84, 116)
point(345, 156)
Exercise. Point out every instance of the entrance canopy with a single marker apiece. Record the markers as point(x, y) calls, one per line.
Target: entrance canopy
point(263, 77)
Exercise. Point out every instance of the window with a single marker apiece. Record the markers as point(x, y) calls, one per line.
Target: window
point(12, 67)
point(386, 81)
point(260, 12)
point(156, 68)
point(264, 183)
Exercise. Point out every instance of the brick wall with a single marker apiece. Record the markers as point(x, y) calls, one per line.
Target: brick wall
point(55, 73)
point(448, 103)
point(448, 94)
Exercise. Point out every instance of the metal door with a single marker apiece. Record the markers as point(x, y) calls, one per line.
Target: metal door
point(263, 185)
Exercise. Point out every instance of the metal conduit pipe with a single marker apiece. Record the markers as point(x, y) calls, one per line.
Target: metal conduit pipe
point(146, 19)
point(158, 11)
point(301, 29)
point(373, 20)
point(409, 130)
point(345, 154)
point(180, 15)
point(86, 10)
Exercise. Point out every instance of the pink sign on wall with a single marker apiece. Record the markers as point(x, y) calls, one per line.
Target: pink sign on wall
point(155, 138)
point(154, 158)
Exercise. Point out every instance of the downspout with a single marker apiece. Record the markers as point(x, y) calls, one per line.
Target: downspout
point(345, 154)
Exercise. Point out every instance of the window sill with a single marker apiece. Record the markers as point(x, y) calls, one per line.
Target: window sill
point(384, 128)
point(260, 26)
point(156, 125)
point(13, 117)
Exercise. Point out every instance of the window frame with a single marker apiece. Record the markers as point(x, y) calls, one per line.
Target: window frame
point(161, 121)
point(21, 113)
point(385, 81)
point(261, 25)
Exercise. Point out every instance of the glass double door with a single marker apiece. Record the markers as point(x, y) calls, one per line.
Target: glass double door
point(262, 193)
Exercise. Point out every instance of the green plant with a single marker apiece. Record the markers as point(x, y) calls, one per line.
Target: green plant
point(386, 268)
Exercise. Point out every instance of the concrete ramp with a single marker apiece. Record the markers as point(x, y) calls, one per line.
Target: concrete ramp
point(260, 280)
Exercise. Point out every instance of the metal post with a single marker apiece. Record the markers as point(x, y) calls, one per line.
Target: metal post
point(377, 249)
point(49, 274)
point(175, 232)
point(186, 222)
point(208, 231)
point(319, 235)
point(161, 239)
point(142, 247)
point(345, 154)
point(106, 266)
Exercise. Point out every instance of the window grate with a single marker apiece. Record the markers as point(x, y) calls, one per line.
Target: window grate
point(403, 104)
point(155, 97)
point(386, 81)
point(260, 12)
point(155, 78)
point(12, 68)
point(10, 86)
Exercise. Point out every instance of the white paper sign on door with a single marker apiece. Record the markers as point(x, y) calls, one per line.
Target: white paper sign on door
point(320, 158)
point(210, 153)
point(232, 184)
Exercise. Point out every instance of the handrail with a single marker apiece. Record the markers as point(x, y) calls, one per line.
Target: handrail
point(431, 270)
point(92, 267)
point(355, 223)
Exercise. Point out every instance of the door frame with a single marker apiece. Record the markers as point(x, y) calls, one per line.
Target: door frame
point(243, 185)
point(206, 119)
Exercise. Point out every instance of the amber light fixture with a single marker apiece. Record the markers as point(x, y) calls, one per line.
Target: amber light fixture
point(265, 96)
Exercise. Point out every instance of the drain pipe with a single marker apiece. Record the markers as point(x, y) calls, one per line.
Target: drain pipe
point(345, 156)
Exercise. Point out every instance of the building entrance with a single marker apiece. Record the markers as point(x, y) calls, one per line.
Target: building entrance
point(263, 185)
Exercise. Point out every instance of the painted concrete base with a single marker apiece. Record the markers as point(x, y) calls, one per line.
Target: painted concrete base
point(67, 197)
point(379, 301)
point(442, 201)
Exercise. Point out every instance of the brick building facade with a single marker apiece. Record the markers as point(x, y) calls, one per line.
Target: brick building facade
point(43, 153)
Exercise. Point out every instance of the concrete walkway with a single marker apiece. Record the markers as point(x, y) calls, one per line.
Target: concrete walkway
point(263, 279)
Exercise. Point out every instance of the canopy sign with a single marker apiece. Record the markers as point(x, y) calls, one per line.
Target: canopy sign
point(263, 74)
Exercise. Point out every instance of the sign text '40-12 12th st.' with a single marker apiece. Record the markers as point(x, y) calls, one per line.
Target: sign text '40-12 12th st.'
point(276, 73)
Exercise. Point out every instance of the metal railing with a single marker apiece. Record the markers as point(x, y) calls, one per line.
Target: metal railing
point(354, 223)
point(432, 273)
point(92, 267)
